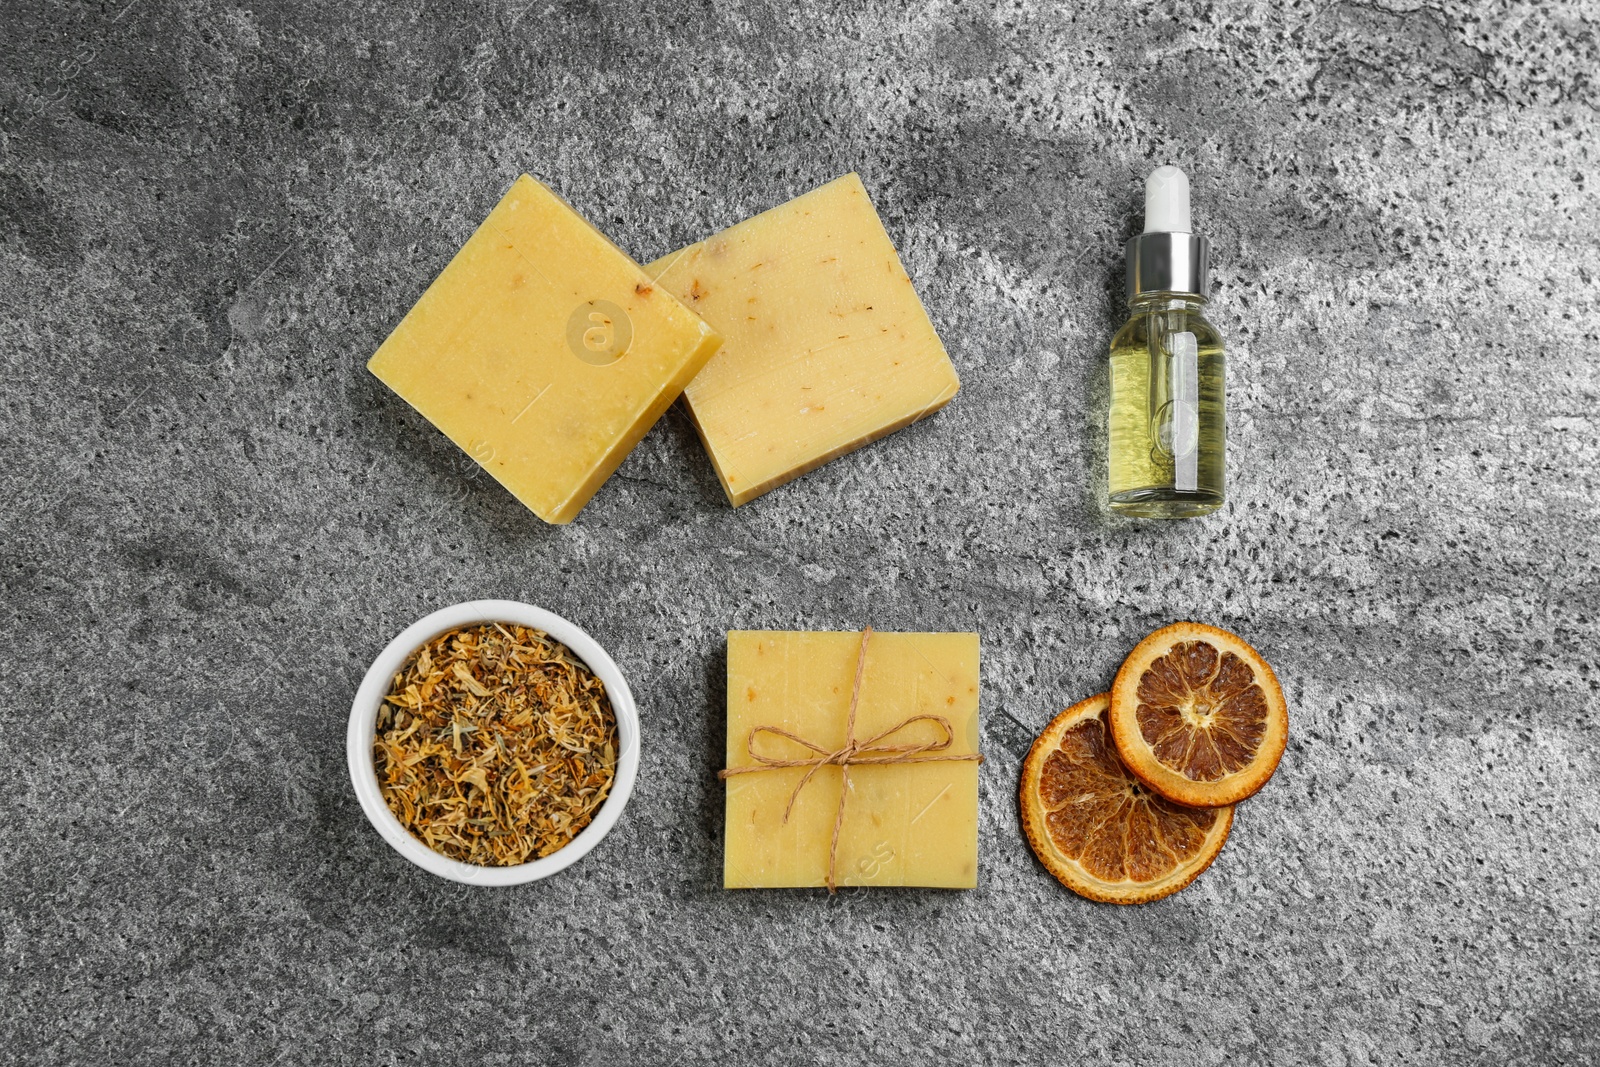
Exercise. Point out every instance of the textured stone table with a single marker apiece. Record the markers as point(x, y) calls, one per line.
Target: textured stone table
point(211, 215)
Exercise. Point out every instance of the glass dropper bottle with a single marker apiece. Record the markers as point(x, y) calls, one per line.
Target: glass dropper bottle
point(1167, 439)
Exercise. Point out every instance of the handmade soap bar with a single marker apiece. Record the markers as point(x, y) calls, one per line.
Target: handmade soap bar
point(825, 344)
point(910, 823)
point(544, 351)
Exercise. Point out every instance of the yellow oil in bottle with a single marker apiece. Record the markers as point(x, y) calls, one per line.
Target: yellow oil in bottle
point(1167, 444)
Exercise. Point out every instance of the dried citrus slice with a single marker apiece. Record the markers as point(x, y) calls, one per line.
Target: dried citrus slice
point(1198, 715)
point(1097, 828)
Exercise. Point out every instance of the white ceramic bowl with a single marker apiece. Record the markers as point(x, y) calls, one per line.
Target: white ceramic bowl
point(375, 686)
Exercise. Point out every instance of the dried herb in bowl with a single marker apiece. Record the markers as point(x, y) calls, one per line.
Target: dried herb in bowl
point(496, 745)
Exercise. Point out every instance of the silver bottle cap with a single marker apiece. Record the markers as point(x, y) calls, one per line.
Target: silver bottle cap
point(1167, 257)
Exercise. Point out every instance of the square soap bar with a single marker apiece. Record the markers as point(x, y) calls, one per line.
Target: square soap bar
point(544, 352)
point(904, 824)
point(825, 344)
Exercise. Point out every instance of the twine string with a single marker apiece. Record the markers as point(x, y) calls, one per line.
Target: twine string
point(874, 751)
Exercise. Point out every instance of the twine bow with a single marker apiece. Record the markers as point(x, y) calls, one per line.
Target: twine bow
point(872, 751)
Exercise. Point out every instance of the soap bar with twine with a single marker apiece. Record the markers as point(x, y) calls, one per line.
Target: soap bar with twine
point(852, 760)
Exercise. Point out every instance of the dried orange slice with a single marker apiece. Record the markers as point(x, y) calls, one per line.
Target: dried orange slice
point(1097, 828)
point(1198, 715)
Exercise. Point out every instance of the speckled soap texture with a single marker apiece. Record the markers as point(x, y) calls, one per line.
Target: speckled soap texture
point(211, 215)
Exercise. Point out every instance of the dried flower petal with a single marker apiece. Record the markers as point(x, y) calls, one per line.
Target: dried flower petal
point(495, 745)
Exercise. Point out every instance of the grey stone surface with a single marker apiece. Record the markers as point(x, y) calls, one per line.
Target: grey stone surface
point(214, 518)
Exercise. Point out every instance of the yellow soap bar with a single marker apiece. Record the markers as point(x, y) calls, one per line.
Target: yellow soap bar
point(825, 344)
point(544, 352)
point(904, 824)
